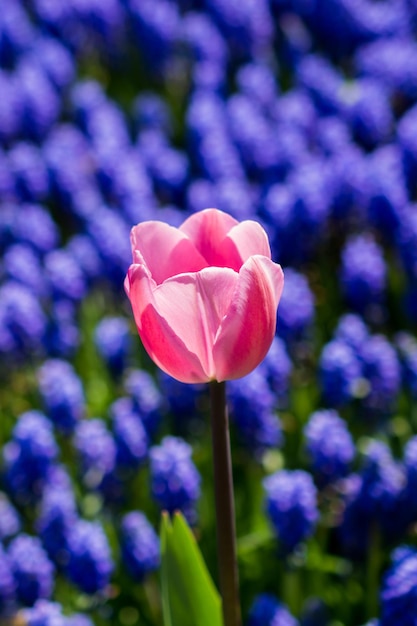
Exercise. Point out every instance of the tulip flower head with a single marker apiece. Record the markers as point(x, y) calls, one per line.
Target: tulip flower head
point(204, 295)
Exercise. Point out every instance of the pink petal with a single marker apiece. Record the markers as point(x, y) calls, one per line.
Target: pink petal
point(207, 229)
point(243, 241)
point(165, 250)
point(248, 328)
point(164, 347)
point(223, 241)
point(178, 320)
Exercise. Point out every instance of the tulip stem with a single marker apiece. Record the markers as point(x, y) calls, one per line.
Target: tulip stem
point(225, 506)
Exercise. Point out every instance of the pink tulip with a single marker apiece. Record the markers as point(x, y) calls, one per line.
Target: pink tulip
point(204, 295)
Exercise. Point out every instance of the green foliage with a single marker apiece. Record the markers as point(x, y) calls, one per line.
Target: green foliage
point(189, 597)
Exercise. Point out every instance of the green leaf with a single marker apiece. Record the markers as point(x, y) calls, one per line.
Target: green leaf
point(189, 597)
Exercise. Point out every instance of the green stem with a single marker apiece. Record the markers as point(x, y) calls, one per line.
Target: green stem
point(225, 508)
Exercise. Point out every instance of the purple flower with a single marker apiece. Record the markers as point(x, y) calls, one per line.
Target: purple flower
point(175, 481)
point(90, 563)
point(340, 372)
point(278, 367)
point(96, 449)
point(267, 611)
point(291, 506)
point(29, 170)
point(112, 339)
point(407, 348)
point(57, 516)
point(29, 455)
point(32, 570)
point(44, 613)
point(381, 369)
point(9, 519)
point(368, 112)
point(129, 433)
point(388, 191)
point(157, 28)
point(55, 60)
point(139, 545)
point(329, 446)
point(322, 82)
point(65, 276)
point(257, 82)
point(146, 397)
point(203, 39)
point(252, 405)
point(62, 393)
point(23, 265)
point(390, 60)
point(7, 584)
point(34, 225)
point(374, 497)
point(352, 330)
point(296, 311)
point(399, 589)
point(363, 274)
point(41, 104)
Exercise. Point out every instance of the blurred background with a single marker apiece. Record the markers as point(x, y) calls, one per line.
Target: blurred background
point(302, 115)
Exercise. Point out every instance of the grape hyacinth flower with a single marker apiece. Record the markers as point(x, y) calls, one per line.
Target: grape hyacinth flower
point(290, 500)
point(363, 275)
point(43, 613)
point(130, 436)
point(97, 451)
point(57, 516)
point(381, 369)
point(7, 584)
point(32, 569)
point(373, 499)
point(296, 311)
point(62, 393)
point(139, 545)
point(147, 399)
point(329, 446)
point(10, 523)
point(90, 563)
point(29, 456)
point(175, 481)
point(340, 372)
point(398, 593)
point(252, 406)
point(267, 611)
point(22, 321)
point(112, 339)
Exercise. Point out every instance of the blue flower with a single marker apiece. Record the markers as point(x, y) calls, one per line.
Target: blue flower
point(291, 504)
point(267, 611)
point(62, 393)
point(175, 480)
point(90, 563)
point(139, 545)
point(329, 445)
point(32, 569)
point(252, 404)
point(363, 274)
point(399, 589)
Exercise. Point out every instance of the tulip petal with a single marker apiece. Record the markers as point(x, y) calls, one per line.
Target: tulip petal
point(223, 241)
point(244, 240)
point(165, 250)
point(248, 328)
point(179, 319)
point(164, 347)
point(207, 230)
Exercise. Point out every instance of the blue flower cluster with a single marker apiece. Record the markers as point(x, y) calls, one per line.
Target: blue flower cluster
point(300, 114)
